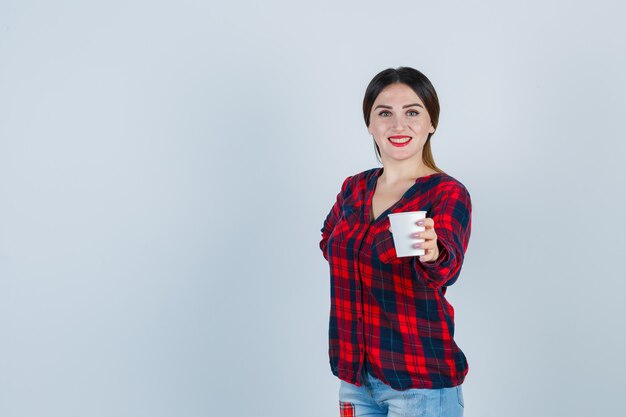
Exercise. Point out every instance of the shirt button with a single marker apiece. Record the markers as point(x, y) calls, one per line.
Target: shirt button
point(360, 318)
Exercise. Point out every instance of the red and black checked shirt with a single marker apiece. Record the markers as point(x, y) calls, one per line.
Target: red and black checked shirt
point(393, 309)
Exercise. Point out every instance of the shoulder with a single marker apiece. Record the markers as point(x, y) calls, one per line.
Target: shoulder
point(365, 175)
point(360, 179)
point(446, 184)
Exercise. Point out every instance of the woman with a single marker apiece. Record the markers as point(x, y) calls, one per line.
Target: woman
point(391, 329)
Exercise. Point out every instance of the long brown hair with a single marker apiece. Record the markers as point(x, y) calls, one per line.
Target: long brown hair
point(424, 90)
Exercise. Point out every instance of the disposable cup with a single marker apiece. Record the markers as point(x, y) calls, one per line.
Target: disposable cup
point(403, 225)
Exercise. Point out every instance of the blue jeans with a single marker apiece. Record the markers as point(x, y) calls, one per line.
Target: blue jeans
point(375, 398)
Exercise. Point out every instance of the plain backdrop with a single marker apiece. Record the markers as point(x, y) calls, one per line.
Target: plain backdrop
point(165, 169)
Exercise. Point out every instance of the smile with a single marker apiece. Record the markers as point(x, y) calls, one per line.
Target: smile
point(400, 141)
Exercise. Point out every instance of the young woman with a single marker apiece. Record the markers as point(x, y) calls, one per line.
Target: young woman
point(391, 329)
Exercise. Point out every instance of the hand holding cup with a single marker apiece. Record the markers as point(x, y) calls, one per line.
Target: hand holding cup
point(416, 235)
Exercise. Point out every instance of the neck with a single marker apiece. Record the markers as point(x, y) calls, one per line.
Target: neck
point(407, 170)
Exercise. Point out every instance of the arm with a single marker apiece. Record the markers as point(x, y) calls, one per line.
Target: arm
point(332, 218)
point(452, 216)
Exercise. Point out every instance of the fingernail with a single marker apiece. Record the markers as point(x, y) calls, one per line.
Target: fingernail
point(416, 234)
point(417, 245)
point(420, 223)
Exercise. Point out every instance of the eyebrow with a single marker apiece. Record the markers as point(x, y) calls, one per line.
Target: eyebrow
point(404, 107)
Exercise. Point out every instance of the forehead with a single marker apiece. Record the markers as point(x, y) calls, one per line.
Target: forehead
point(398, 94)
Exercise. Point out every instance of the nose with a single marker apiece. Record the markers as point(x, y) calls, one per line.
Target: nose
point(398, 122)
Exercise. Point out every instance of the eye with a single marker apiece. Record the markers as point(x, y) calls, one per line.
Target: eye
point(384, 113)
point(412, 113)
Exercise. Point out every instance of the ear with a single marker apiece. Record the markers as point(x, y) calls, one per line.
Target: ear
point(432, 129)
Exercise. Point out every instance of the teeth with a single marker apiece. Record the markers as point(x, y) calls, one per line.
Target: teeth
point(399, 140)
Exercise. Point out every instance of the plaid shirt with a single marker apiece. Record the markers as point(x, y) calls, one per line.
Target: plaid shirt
point(393, 309)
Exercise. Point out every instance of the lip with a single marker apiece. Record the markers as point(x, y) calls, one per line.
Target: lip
point(400, 145)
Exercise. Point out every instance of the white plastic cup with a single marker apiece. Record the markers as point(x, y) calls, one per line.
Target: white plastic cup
point(403, 225)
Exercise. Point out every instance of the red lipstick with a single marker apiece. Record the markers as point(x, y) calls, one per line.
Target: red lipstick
point(400, 140)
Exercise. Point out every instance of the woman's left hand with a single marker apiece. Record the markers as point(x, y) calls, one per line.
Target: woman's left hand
point(430, 240)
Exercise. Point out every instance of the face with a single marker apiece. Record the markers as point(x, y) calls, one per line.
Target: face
point(399, 123)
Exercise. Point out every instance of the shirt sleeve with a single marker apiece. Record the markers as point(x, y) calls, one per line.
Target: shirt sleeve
point(332, 218)
point(452, 215)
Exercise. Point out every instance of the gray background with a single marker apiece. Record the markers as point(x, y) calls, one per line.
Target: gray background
point(165, 169)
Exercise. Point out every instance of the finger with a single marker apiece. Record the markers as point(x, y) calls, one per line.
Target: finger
point(429, 256)
point(390, 229)
point(428, 245)
point(428, 234)
point(428, 223)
